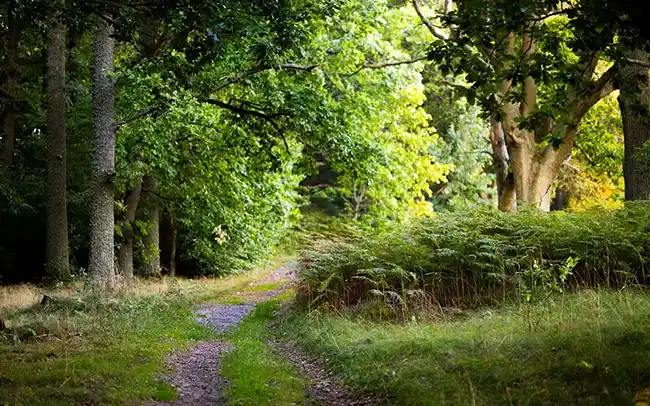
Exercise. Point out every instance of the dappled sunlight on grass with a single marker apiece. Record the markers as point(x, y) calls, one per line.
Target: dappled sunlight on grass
point(591, 347)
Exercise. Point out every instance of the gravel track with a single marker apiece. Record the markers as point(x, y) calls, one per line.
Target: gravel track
point(196, 371)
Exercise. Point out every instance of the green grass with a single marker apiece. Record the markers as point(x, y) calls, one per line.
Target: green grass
point(588, 348)
point(256, 374)
point(82, 350)
point(92, 353)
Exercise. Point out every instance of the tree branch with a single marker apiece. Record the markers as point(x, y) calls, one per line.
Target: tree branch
point(637, 62)
point(269, 118)
point(445, 37)
point(598, 89)
point(142, 113)
point(529, 87)
point(432, 28)
point(228, 81)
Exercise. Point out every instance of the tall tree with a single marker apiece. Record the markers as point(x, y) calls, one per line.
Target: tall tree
point(57, 214)
point(102, 258)
point(11, 66)
point(530, 78)
point(125, 253)
point(634, 101)
point(151, 266)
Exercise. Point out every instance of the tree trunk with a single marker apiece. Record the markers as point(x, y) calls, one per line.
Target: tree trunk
point(151, 266)
point(634, 101)
point(561, 200)
point(506, 198)
point(102, 258)
point(125, 253)
point(9, 119)
point(174, 241)
point(57, 257)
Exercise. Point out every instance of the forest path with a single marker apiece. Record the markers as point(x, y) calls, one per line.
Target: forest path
point(196, 375)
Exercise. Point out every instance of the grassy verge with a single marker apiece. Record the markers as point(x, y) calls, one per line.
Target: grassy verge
point(83, 350)
point(256, 374)
point(587, 348)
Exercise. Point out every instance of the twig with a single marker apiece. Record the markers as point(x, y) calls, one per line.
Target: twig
point(142, 113)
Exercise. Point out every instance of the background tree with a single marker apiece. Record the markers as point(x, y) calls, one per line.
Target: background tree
point(57, 255)
point(101, 257)
point(634, 101)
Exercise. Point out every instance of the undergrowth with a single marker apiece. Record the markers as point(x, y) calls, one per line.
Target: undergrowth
point(477, 257)
point(588, 348)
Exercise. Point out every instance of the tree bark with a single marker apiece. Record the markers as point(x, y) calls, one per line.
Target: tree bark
point(57, 256)
point(9, 117)
point(561, 199)
point(102, 258)
point(174, 241)
point(634, 101)
point(125, 253)
point(504, 180)
point(151, 266)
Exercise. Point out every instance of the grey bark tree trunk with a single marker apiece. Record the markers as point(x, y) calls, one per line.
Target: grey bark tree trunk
point(174, 241)
point(9, 119)
point(505, 182)
point(634, 101)
point(57, 256)
point(125, 253)
point(151, 266)
point(101, 265)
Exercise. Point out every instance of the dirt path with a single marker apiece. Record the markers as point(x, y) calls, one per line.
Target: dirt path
point(196, 374)
point(197, 377)
point(323, 389)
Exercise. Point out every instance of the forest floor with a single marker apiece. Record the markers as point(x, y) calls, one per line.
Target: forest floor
point(235, 341)
point(173, 342)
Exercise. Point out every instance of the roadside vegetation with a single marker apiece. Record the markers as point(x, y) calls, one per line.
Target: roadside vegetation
point(256, 373)
point(479, 257)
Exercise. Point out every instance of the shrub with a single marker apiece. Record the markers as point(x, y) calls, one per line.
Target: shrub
point(468, 258)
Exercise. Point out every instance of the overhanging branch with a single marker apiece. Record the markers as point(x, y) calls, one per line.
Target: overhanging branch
point(427, 23)
point(142, 113)
point(269, 118)
point(443, 36)
point(228, 81)
point(637, 62)
point(381, 65)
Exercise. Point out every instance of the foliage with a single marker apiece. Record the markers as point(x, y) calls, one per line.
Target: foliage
point(594, 177)
point(463, 144)
point(465, 258)
point(228, 136)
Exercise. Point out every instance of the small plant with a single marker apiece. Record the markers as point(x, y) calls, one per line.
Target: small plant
point(537, 283)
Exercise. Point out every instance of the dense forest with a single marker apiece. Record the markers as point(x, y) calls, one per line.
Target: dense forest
point(421, 155)
point(187, 136)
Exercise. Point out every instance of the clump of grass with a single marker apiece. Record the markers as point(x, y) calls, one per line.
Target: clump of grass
point(589, 348)
point(256, 374)
point(477, 257)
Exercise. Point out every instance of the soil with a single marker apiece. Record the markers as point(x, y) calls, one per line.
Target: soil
point(323, 389)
